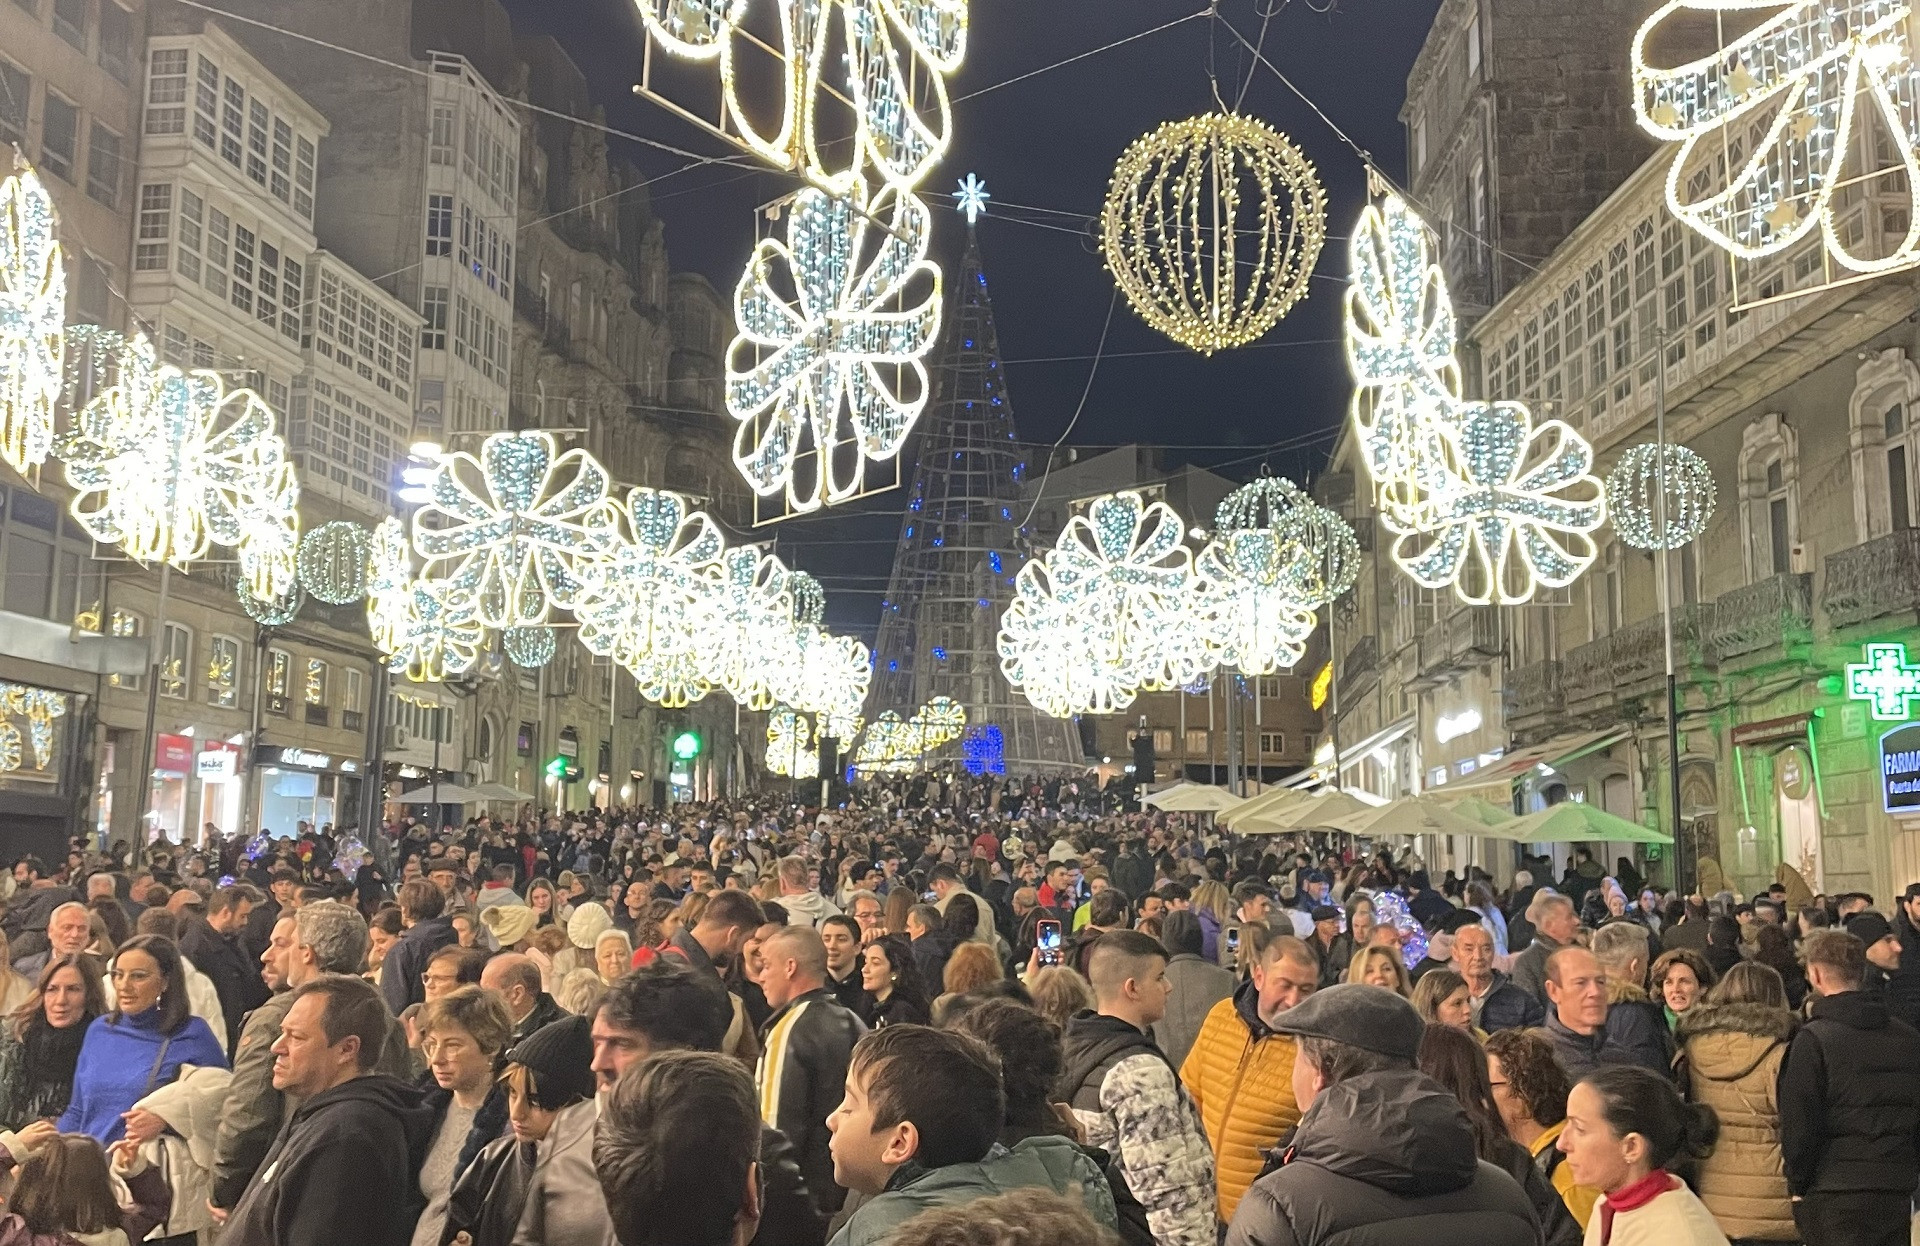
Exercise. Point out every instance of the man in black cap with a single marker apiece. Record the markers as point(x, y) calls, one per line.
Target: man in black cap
point(1380, 1141)
point(1903, 985)
point(1877, 935)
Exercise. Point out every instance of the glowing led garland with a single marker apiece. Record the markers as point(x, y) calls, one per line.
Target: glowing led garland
point(33, 311)
point(890, 135)
point(1634, 496)
point(1767, 122)
point(1105, 612)
point(854, 335)
point(1211, 228)
point(894, 745)
point(1480, 498)
point(165, 463)
point(744, 625)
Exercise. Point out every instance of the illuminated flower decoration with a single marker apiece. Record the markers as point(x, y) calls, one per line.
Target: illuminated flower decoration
point(443, 636)
point(1250, 615)
point(33, 319)
point(744, 627)
point(506, 528)
point(853, 335)
point(842, 726)
point(638, 603)
point(790, 747)
point(1105, 612)
point(940, 721)
point(1768, 126)
point(166, 463)
point(40, 707)
point(1479, 498)
point(895, 55)
point(389, 586)
point(890, 745)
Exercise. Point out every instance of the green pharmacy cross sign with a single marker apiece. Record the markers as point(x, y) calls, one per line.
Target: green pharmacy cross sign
point(1885, 680)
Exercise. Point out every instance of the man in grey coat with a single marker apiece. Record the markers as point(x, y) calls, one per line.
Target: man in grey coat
point(1197, 985)
point(1554, 923)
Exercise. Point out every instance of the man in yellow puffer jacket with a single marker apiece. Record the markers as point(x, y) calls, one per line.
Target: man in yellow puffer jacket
point(1240, 1072)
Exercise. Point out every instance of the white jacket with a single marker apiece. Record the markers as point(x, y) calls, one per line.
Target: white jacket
point(190, 1105)
point(202, 1001)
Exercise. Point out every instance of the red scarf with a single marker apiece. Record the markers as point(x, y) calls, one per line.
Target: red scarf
point(1633, 1197)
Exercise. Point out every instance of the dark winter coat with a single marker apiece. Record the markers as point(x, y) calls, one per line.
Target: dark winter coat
point(344, 1169)
point(236, 980)
point(1382, 1159)
point(1903, 985)
point(1558, 1227)
point(1631, 1043)
point(1850, 1099)
point(407, 959)
point(806, 1047)
point(489, 1196)
point(1507, 1007)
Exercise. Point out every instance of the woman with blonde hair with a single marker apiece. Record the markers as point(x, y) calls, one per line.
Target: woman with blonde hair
point(972, 966)
point(1058, 993)
point(899, 902)
point(1381, 966)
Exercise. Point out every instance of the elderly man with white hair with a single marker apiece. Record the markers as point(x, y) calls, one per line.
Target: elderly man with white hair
point(69, 930)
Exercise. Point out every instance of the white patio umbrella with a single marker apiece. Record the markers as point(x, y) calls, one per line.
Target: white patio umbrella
point(1320, 809)
point(1192, 798)
point(446, 794)
point(1425, 814)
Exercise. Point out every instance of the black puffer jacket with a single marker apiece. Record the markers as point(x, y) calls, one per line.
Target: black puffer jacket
point(1384, 1159)
point(1850, 1099)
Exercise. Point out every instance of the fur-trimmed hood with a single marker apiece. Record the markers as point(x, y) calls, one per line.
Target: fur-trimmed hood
point(1758, 1020)
point(1726, 1042)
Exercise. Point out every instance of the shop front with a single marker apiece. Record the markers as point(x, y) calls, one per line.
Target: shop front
point(220, 768)
point(304, 785)
point(41, 768)
point(173, 773)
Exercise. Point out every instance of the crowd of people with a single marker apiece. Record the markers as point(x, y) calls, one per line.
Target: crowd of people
point(948, 1013)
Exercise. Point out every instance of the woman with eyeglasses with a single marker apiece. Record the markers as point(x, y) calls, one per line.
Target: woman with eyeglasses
point(138, 1045)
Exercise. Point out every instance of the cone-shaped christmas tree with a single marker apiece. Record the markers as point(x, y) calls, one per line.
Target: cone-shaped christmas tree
point(953, 572)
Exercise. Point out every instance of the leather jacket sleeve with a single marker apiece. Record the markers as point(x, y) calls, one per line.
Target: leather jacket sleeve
point(787, 1214)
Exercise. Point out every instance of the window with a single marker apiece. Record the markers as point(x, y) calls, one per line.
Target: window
point(124, 623)
point(1479, 242)
point(439, 224)
point(176, 661)
point(16, 93)
point(104, 155)
point(59, 137)
point(1779, 538)
point(1197, 742)
point(442, 150)
point(1269, 687)
point(1272, 743)
point(1162, 741)
point(70, 21)
point(1603, 594)
point(1769, 496)
point(1473, 46)
point(206, 104)
point(279, 681)
point(116, 41)
point(156, 211)
point(223, 672)
point(233, 122)
point(1419, 144)
point(353, 698)
point(1899, 486)
point(303, 156)
point(29, 551)
point(259, 122)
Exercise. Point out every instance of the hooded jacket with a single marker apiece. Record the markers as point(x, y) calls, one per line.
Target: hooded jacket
point(1851, 1085)
point(1047, 1163)
point(342, 1170)
point(1130, 1102)
point(1381, 1159)
point(808, 906)
point(1240, 1074)
point(1196, 985)
point(1733, 1054)
point(801, 1078)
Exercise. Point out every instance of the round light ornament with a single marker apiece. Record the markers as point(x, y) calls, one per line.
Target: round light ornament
point(1634, 492)
point(1212, 227)
point(529, 648)
point(333, 562)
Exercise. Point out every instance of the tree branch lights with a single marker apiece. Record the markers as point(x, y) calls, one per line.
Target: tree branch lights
point(1767, 123)
point(854, 334)
point(33, 320)
point(638, 604)
point(511, 524)
point(1212, 227)
point(1634, 496)
point(897, 55)
point(1480, 499)
point(165, 463)
point(790, 745)
point(1104, 612)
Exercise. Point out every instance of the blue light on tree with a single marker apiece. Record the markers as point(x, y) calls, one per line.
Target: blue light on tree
point(984, 750)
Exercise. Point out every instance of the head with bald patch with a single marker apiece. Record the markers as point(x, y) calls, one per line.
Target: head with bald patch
point(517, 980)
point(793, 961)
point(1129, 974)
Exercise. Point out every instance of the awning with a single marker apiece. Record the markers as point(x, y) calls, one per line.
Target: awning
point(1352, 754)
point(1555, 752)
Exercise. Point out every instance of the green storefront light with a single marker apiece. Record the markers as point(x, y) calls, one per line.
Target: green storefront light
point(687, 745)
point(557, 768)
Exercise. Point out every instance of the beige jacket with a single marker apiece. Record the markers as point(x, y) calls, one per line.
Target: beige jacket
point(1732, 1055)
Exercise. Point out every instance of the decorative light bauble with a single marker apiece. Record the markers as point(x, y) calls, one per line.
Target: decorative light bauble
point(529, 648)
point(333, 562)
point(1212, 227)
point(1634, 496)
point(271, 611)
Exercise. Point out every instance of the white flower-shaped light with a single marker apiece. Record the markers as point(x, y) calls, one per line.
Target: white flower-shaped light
point(790, 746)
point(853, 335)
point(1767, 123)
point(166, 463)
point(508, 527)
point(33, 320)
point(443, 635)
point(891, 60)
point(638, 603)
point(744, 633)
point(389, 586)
point(1105, 612)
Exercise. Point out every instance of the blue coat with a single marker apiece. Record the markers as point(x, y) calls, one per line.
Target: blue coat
point(117, 1068)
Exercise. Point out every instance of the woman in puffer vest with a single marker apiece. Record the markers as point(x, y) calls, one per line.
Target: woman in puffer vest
point(1732, 1044)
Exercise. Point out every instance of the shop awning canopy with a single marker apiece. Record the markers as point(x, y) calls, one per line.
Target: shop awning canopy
point(1351, 755)
point(1573, 822)
point(1555, 752)
point(1483, 813)
point(446, 794)
point(500, 791)
point(1192, 798)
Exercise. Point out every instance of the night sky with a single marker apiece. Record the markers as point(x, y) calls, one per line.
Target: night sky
point(1045, 148)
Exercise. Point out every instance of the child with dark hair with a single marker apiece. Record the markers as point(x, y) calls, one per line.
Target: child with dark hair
point(63, 1190)
point(918, 1128)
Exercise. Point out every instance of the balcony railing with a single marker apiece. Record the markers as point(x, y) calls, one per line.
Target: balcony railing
point(1640, 650)
point(1361, 664)
point(1534, 693)
point(1876, 579)
point(1464, 639)
point(1586, 672)
point(1773, 614)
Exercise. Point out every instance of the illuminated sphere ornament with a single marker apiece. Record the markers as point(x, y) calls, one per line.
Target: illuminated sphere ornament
point(1211, 228)
point(271, 611)
point(1634, 489)
point(1390, 909)
point(529, 647)
point(333, 562)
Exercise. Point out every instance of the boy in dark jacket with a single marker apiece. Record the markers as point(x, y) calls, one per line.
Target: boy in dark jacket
point(1850, 1106)
point(345, 1165)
